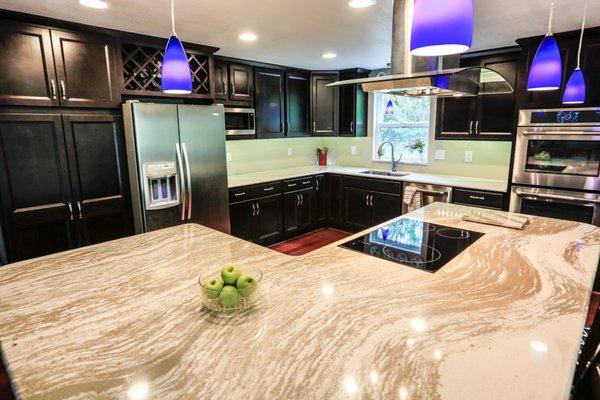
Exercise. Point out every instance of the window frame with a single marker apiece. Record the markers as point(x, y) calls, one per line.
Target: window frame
point(377, 123)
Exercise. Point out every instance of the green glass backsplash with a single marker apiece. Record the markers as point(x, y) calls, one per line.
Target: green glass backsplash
point(490, 159)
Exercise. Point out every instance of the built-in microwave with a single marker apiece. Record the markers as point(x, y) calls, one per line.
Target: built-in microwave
point(239, 121)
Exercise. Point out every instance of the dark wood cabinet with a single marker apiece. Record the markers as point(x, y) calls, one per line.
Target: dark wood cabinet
point(357, 214)
point(487, 117)
point(321, 207)
point(384, 207)
point(63, 182)
point(258, 220)
point(297, 86)
point(85, 69)
point(26, 66)
point(221, 80)
point(241, 82)
point(35, 191)
point(96, 153)
point(324, 104)
point(298, 211)
point(353, 104)
point(270, 103)
point(43, 67)
point(333, 191)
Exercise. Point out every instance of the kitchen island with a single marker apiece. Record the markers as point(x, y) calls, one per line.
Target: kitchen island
point(124, 319)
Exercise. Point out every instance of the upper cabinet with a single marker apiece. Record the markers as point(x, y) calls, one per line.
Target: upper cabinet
point(270, 103)
point(485, 117)
point(324, 104)
point(353, 104)
point(233, 83)
point(43, 67)
point(297, 87)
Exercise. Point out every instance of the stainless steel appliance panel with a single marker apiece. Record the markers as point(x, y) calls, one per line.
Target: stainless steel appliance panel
point(203, 145)
point(430, 194)
point(152, 133)
point(561, 204)
point(240, 121)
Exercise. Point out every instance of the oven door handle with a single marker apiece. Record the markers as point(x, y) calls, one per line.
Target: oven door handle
point(435, 192)
point(531, 133)
point(520, 193)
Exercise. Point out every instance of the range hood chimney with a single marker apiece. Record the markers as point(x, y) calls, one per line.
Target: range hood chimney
point(427, 76)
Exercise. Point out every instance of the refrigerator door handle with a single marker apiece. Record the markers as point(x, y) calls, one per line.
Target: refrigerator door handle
point(189, 180)
point(181, 180)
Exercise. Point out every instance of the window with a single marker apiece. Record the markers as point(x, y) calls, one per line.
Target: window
point(404, 123)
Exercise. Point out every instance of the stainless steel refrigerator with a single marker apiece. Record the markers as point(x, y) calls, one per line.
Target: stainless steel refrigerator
point(177, 167)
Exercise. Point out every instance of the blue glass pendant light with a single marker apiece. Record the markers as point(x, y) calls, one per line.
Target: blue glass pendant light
point(575, 89)
point(175, 75)
point(545, 72)
point(441, 27)
point(389, 109)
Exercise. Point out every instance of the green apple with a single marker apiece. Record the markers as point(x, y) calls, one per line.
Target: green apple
point(229, 296)
point(230, 274)
point(246, 285)
point(212, 287)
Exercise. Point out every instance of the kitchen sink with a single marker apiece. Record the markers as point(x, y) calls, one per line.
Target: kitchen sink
point(383, 173)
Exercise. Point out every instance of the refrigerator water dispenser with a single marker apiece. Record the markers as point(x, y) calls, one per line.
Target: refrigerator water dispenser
point(162, 188)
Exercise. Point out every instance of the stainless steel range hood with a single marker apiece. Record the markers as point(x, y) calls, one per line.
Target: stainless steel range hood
point(428, 76)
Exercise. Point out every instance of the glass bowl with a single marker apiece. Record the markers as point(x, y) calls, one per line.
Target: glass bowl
point(211, 297)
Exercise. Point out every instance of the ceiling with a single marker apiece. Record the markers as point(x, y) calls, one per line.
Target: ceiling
point(297, 32)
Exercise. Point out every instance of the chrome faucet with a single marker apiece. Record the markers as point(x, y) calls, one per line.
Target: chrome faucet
point(395, 162)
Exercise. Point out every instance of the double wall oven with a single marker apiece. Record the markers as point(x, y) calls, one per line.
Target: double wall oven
point(556, 171)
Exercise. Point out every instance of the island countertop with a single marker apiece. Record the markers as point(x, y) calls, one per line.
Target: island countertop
point(124, 318)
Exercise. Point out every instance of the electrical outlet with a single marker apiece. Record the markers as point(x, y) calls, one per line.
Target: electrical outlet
point(353, 150)
point(468, 156)
point(228, 157)
point(289, 151)
point(440, 154)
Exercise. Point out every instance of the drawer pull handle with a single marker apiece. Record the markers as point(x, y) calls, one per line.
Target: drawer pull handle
point(239, 194)
point(477, 197)
point(291, 184)
point(268, 189)
point(306, 183)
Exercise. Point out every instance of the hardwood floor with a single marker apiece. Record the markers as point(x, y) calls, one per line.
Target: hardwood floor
point(309, 242)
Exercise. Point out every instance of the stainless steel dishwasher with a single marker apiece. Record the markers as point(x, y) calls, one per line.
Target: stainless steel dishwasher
point(429, 194)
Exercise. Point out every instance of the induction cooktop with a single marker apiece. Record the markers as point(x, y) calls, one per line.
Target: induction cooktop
point(415, 243)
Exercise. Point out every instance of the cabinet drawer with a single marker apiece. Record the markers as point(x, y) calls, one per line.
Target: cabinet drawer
point(373, 184)
point(255, 191)
point(478, 198)
point(297, 184)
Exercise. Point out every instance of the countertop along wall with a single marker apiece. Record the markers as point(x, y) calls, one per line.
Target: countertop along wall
point(490, 159)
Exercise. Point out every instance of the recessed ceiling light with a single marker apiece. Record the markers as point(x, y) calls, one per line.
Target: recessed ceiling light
point(329, 55)
point(247, 37)
point(94, 3)
point(361, 3)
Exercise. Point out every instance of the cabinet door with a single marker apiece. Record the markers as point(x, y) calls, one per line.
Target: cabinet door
point(26, 66)
point(291, 203)
point(268, 222)
point(242, 219)
point(496, 112)
point(85, 67)
point(590, 64)
point(353, 105)
point(320, 200)
point(241, 81)
point(334, 199)
point(385, 206)
point(306, 211)
point(270, 117)
point(35, 190)
point(357, 213)
point(221, 80)
point(96, 151)
point(297, 103)
point(324, 105)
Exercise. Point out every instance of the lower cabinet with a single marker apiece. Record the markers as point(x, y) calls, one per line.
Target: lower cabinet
point(321, 200)
point(258, 220)
point(298, 211)
point(363, 208)
point(63, 182)
point(333, 194)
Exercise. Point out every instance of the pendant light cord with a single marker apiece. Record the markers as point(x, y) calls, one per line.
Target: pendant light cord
point(551, 17)
point(581, 35)
point(173, 18)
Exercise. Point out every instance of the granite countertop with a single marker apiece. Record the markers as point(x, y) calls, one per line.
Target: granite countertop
point(294, 172)
point(124, 318)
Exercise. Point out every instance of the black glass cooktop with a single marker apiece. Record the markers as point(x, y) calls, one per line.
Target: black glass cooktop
point(415, 243)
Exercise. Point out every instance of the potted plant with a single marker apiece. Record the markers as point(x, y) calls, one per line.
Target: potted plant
point(416, 145)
